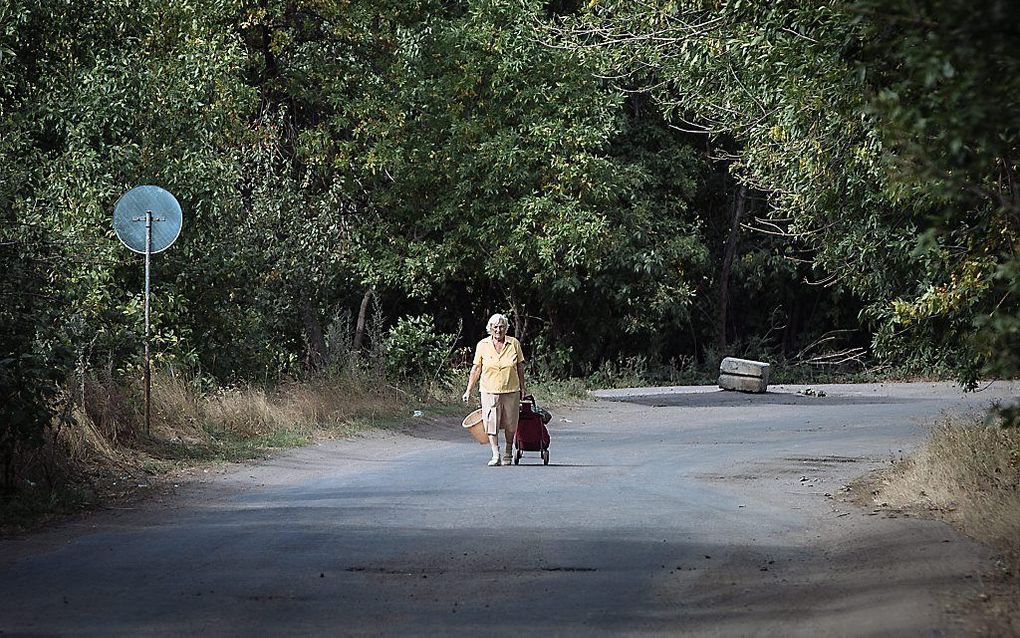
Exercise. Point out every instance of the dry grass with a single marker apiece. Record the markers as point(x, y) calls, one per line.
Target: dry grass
point(321, 403)
point(968, 474)
point(289, 413)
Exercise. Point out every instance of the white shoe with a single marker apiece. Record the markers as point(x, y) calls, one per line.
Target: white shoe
point(494, 460)
point(508, 459)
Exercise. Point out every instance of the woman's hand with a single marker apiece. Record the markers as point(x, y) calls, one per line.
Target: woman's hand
point(467, 396)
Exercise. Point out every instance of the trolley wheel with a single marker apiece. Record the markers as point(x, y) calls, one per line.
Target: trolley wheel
point(517, 457)
point(545, 457)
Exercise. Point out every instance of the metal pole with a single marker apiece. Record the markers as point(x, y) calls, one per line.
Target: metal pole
point(148, 259)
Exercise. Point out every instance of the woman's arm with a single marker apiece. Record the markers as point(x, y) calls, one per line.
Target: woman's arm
point(476, 371)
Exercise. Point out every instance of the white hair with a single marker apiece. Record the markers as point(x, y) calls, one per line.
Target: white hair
point(497, 319)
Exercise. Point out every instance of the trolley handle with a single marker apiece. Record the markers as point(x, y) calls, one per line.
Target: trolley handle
point(536, 409)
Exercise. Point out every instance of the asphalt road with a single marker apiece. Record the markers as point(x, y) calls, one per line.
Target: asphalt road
point(672, 511)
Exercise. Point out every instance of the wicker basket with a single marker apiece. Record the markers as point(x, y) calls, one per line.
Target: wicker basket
point(474, 424)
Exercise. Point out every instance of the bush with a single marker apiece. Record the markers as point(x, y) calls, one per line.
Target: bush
point(416, 351)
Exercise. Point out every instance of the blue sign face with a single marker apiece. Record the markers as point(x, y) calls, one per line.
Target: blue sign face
point(135, 207)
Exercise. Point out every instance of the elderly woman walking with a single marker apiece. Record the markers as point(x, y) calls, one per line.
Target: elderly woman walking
point(499, 363)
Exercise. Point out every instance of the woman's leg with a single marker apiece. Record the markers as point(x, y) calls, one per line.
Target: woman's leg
point(510, 406)
point(490, 417)
point(494, 444)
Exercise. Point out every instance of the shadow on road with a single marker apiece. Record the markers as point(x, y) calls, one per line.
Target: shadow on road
point(723, 399)
point(349, 568)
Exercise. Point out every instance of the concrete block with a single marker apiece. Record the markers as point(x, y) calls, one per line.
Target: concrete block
point(742, 384)
point(743, 375)
point(744, 368)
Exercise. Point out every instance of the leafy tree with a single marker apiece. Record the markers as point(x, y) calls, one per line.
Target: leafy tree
point(94, 98)
point(945, 81)
point(508, 189)
point(34, 359)
point(816, 105)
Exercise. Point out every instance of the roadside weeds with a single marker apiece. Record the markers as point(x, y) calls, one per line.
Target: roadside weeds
point(968, 475)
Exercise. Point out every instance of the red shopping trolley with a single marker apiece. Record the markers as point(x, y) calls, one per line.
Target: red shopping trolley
point(532, 435)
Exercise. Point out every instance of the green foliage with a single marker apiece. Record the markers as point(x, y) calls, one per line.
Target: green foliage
point(511, 177)
point(883, 135)
point(34, 357)
point(416, 351)
point(945, 80)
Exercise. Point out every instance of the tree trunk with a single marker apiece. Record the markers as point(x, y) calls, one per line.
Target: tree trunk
point(359, 330)
point(739, 206)
point(315, 340)
point(520, 319)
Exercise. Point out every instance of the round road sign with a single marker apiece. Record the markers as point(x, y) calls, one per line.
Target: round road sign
point(131, 213)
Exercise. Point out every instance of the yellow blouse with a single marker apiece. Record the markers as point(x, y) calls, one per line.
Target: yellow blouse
point(499, 369)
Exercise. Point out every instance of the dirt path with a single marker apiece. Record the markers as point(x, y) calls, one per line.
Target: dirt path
point(680, 510)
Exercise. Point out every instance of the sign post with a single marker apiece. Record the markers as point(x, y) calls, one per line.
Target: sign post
point(133, 218)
